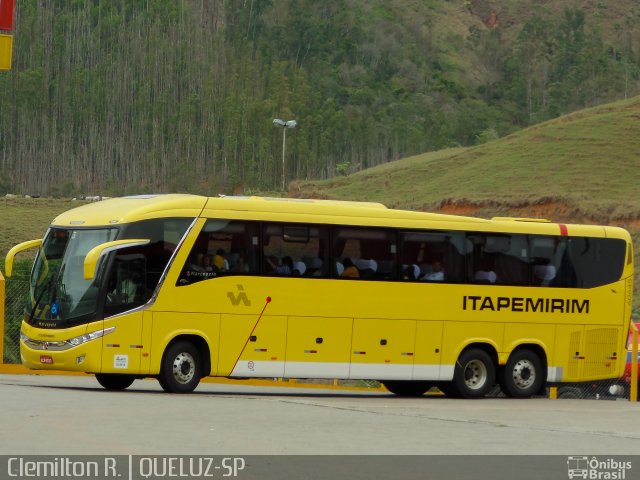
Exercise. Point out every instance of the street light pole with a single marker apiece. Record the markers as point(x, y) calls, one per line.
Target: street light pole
point(288, 124)
point(284, 146)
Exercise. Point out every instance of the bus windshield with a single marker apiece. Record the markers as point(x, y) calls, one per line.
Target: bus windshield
point(58, 290)
point(125, 279)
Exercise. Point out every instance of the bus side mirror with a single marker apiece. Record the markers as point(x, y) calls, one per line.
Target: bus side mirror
point(91, 260)
point(8, 263)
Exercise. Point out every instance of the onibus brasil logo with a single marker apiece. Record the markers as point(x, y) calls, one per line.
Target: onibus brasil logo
point(597, 469)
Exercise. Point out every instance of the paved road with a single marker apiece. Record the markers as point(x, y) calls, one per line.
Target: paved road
point(73, 415)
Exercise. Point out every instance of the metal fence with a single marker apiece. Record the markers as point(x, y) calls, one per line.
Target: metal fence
point(17, 294)
point(16, 297)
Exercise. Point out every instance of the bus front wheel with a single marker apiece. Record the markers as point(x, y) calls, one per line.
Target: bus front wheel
point(114, 381)
point(407, 388)
point(181, 368)
point(474, 374)
point(523, 374)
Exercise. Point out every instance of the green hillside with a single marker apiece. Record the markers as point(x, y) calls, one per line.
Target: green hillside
point(583, 166)
point(124, 96)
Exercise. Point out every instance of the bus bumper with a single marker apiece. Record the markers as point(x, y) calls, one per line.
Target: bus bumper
point(57, 353)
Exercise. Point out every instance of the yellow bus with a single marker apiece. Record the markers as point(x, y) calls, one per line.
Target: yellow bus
point(179, 287)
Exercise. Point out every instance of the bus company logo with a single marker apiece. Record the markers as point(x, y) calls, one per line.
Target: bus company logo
point(525, 304)
point(596, 469)
point(240, 297)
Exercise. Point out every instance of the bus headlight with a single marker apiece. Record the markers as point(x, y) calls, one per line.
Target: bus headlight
point(64, 344)
point(87, 337)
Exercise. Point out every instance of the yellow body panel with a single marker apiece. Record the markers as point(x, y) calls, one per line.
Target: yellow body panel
point(428, 349)
point(541, 334)
point(254, 345)
point(458, 335)
point(383, 341)
point(322, 340)
point(122, 348)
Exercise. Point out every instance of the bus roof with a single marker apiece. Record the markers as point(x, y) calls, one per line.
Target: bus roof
point(123, 210)
point(116, 211)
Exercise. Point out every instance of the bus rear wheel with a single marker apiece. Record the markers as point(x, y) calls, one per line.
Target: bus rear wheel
point(523, 374)
point(181, 368)
point(407, 388)
point(114, 381)
point(474, 374)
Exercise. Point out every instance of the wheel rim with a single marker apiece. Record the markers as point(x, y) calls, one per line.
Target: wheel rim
point(184, 368)
point(475, 375)
point(524, 374)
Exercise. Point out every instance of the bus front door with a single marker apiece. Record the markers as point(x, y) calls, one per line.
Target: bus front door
point(122, 346)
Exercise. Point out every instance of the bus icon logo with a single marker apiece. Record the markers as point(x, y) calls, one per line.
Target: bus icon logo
point(578, 467)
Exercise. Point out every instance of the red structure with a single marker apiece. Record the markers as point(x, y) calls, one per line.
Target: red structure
point(6, 14)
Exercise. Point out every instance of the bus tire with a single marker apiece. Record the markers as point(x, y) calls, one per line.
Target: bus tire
point(114, 381)
point(570, 392)
point(523, 374)
point(181, 368)
point(475, 374)
point(407, 388)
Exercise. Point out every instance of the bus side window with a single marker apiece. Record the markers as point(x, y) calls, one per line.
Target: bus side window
point(365, 253)
point(500, 258)
point(126, 286)
point(544, 263)
point(222, 248)
point(295, 250)
point(432, 256)
point(591, 262)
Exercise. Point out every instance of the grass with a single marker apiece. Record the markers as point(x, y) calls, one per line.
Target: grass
point(25, 219)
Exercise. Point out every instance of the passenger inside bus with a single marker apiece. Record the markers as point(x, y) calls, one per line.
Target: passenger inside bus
point(220, 261)
point(350, 270)
point(207, 264)
point(485, 274)
point(436, 274)
point(284, 268)
point(124, 288)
